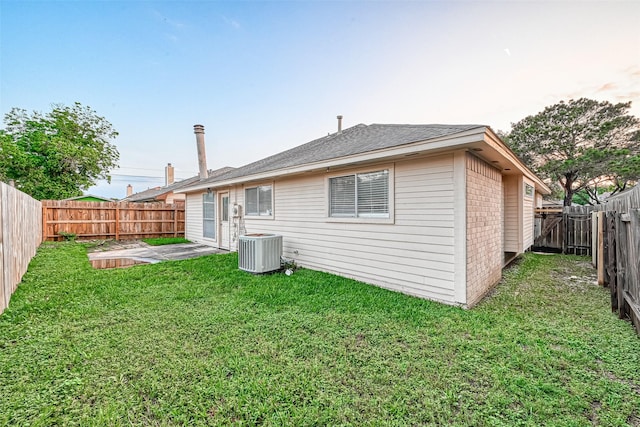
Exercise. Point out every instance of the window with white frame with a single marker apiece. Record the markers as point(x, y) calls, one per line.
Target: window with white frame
point(359, 195)
point(209, 215)
point(259, 201)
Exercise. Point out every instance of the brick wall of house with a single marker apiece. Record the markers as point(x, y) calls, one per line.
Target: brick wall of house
point(484, 228)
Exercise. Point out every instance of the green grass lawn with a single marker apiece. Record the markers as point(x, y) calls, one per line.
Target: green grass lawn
point(199, 342)
point(159, 241)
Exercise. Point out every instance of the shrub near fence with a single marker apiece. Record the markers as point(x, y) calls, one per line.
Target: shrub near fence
point(110, 220)
point(617, 248)
point(20, 236)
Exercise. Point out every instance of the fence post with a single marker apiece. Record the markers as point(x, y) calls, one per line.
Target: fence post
point(117, 221)
point(175, 220)
point(621, 249)
point(565, 230)
point(600, 246)
point(605, 247)
point(594, 239)
point(612, 262)
point(44, 222)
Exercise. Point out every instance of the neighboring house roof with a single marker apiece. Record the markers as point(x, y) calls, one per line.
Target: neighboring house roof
point(89, 198)
point(154, 193)
point(349, 143)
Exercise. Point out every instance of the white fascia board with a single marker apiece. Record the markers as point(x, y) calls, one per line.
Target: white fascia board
point(452, 141)
point(496, 143)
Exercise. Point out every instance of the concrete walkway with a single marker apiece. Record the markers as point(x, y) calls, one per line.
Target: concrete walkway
point(141, 251)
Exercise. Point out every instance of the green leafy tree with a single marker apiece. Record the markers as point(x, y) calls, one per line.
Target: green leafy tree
point(58, 154)
point(593, 194)
point(581, 144)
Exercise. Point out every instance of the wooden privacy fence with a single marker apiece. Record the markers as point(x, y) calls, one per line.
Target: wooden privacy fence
point(111, 220)
point(563, 229)
point(617, 252)
point(20, 236)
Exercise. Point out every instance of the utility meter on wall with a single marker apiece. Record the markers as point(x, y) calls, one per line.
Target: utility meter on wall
point(237, 211)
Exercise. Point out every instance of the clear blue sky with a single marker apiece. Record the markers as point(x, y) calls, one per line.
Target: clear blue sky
point(266, 76)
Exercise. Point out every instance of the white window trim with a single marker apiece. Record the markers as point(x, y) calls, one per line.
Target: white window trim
point(273, 201)
point(362, 220)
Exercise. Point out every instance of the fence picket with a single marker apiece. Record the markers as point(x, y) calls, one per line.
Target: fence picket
point(567, 230)
point(111, 220)
point(20, 236)
point(621, 259)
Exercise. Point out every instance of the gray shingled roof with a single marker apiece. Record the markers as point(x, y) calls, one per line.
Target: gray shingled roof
point(358, 139)
point(152, 193)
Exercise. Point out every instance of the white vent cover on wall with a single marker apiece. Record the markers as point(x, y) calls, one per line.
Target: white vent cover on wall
point(259, 253)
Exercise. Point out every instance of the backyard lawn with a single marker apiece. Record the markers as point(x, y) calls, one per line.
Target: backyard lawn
point(199, 342)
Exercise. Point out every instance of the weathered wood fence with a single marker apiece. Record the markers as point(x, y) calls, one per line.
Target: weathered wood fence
point(617, 252)
point(564, 229)
point(20, 236)
point(111, 220)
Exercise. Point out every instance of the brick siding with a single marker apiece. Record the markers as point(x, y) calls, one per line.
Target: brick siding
point(484, 228)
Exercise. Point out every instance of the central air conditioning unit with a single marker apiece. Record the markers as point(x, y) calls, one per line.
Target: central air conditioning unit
point(259, 253)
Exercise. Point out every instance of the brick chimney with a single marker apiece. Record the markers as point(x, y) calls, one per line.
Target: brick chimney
point(168, 174)
point(202, 155)
point(129, 190)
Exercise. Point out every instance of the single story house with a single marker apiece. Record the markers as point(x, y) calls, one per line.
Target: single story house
point(434, 211)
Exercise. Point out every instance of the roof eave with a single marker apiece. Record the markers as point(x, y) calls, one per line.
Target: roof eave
point(497, 144)
point(456, 140)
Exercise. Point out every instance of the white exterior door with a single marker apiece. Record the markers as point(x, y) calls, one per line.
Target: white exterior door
point(223, 203)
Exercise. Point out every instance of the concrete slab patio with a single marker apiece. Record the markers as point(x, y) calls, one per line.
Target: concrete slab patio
point(140, 251)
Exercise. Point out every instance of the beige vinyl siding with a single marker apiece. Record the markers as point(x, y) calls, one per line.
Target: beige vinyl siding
point(512, 218)
point(193, 216)
point(414, 255)
point(528, 214)
point(193, 223)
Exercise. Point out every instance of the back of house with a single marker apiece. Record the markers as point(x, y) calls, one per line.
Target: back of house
point(434, 211)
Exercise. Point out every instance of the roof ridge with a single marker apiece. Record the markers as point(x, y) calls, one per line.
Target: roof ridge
point(429, 125)
point(357, 139)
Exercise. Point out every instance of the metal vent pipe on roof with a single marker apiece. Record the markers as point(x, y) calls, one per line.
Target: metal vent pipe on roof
point(202, 156)
point(339, 124)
